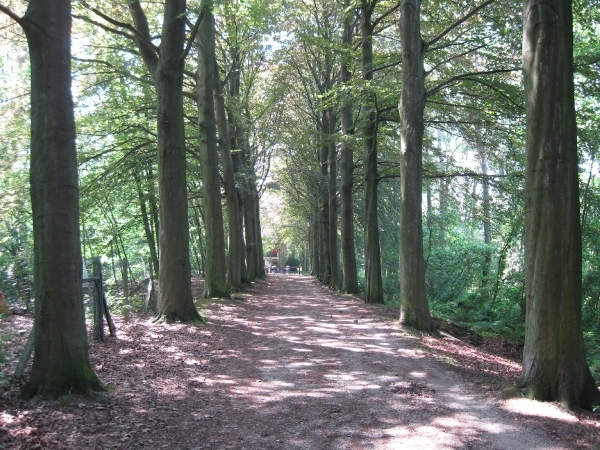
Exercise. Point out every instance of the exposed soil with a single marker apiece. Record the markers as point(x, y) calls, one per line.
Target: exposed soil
point(290, 365)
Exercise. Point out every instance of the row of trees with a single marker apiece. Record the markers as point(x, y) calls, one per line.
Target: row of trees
point(353, 95)
point(219, 90)
point(389, 90)
point(137, 138)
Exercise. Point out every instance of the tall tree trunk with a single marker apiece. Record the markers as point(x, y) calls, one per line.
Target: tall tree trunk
point(373, 280)
point(324, 191)
point(334, 253)
point(234, 259)
point(238, 157)
point(487, 221)
point(259, 253)
point(308, 257)
point(414, 308)
point(252, 212)
point(198, 224)
point(175, 301)
point(443, 193)
point(350, 278)
point(241, 209)
point(250, 234)
point(554, 363)
point(61, 362)
point(147, 227)
point(150, 191)
point(316, 232)
point(216, 267)
point(255, 262)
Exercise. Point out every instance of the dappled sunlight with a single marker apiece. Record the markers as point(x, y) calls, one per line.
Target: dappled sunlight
point(454, 351)
point(544, 410)
point(418, 374)
point(296, 370)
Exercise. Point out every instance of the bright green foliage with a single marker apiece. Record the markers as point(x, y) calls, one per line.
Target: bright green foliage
point(16, 238)
point(587, 103)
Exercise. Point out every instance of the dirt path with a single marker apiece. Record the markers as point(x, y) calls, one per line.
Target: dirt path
point(288, 366)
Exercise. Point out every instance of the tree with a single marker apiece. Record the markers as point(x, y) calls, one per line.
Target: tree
point(350, 278)
point(554, 364)
point(166, 66)
point(414, 308)
point(236, 237)
point(313, 63)
point(240, 29)
point(373, 281)
point(335, 281)
point(325, 225)
point(215, 282)
point(61, 362)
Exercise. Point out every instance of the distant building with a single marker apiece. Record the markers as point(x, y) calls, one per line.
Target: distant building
point(271, 260)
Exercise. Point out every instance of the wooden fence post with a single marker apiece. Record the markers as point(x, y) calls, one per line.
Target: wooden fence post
point(98, 304)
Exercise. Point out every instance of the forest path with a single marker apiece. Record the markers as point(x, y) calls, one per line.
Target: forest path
point(309, 369)
point(287, 365)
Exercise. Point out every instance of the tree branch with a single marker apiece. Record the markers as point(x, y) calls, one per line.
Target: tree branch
point(105, 27)
point(370, 6)
point(149, 52)
point(588, 63)
point(385, 14)
point(469, 174)
point(453, 57)
point(453, 43)
point(115, 69)
point(188, 47)
point(124, 25)
point(444, 33)
point(11, 14)
point(463, 76)
point(385, 66)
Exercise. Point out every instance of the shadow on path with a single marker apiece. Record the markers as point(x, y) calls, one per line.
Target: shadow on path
point(288, 365)
point(302, 368)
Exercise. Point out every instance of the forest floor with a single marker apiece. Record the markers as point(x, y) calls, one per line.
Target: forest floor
point(289, 364)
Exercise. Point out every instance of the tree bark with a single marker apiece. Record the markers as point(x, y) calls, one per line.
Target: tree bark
point(373, 280)
point(316, 232)
point(250, 234)
point(324, 191)
point(554, 363)
point(198, 224)
point(234, 259)
point(216, 267)
point(238, 158)
point(147, 227)
point(175, 301)
point(241, 208)
point(152, 203)
point(443, 193)
point(335, 281)
point(414, 308)
point(61, 361)
point(259, 254)
point(487, 220)
point(126, 307)
point(254, 246)
point(350, 278)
